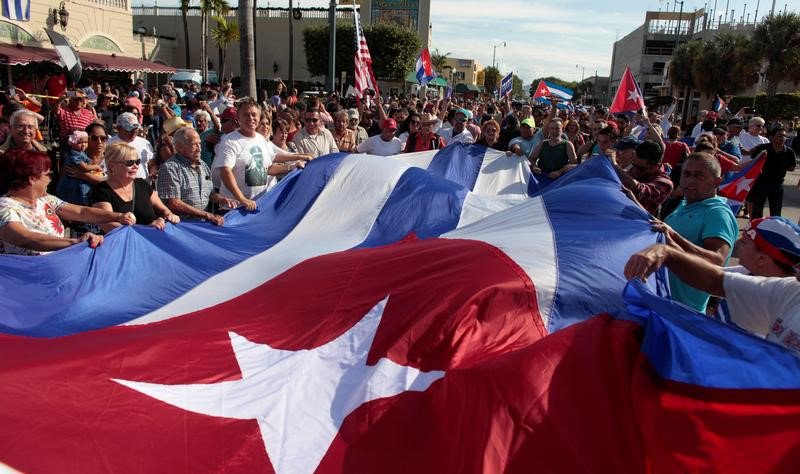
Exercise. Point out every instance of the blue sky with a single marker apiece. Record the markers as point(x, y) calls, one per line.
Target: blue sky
point(555, 38)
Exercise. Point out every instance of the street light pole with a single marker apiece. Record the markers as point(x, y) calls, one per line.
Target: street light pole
point(494, 51)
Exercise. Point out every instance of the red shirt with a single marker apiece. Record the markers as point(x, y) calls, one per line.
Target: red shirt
point(675, 153)
point(69, 120)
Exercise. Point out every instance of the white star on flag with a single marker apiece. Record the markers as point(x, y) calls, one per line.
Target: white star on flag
point(299, 398)
point(743, 185)
point(633, 95)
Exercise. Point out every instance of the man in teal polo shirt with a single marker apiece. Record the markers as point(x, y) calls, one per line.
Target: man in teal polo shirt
point(703, 224)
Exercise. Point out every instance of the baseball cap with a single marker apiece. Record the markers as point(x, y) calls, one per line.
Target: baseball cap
point(352, 114)
point(173, 124)
point(127, 121)
point(627, 143)
point(389, 123)
point(228, 114)
point(777, 237)
point(712, 115)
point(735, 121)
point(720, 131)
point(529, 122)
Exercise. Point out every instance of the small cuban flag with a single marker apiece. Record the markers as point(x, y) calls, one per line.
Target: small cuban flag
point(718, 105)
point(425, 72)
point(735, 188)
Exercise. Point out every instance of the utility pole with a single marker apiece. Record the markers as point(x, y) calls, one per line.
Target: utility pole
point(494, 52)
point(331, 82)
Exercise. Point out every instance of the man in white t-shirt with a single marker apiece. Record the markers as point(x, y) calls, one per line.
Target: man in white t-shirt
point(751, 138)
point(766, 303)
point(385, 144)
point(458, 133)
point(245, 159)
point(127, 132)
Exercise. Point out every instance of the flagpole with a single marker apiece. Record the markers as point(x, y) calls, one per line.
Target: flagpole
point(331, 83)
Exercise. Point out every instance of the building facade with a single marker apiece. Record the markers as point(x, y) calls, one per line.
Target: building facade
point(272, 32)
point(103, 26)
point(462, 71)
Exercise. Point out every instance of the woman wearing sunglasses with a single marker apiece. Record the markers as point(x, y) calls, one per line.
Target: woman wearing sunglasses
point(30, 219)
point(124, 192)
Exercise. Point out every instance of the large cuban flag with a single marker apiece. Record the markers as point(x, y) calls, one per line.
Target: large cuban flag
point(426, 313)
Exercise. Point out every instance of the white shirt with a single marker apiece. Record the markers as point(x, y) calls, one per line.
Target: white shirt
point(463, 137)
point(377, 146)
point(765, 306)
point(748, 142)
point(248, 158)
point(143, 148)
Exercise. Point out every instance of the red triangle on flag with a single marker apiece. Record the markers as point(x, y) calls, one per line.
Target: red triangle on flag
point(629, 95)
point(541, 90)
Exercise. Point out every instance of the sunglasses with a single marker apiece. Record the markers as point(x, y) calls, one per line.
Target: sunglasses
point(129, 163)
point(98, 138)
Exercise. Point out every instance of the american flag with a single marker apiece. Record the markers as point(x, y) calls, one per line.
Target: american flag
point(365, 79)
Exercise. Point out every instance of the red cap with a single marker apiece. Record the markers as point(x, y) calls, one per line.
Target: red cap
point(389, 123)
point(229, 113)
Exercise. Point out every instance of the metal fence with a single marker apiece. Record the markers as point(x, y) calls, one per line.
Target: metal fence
point(307, 13)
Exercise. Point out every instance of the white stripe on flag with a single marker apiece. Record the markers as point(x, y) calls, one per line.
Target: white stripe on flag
point(346, 218)
point(524, 233)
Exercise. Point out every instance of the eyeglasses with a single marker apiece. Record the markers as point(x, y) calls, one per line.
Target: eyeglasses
point(312, 120)
point(98, 138)
point(461, 120)
point(130, 163)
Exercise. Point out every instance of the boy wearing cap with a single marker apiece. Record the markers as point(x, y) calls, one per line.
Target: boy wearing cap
point(385, 144)
point(767, 302)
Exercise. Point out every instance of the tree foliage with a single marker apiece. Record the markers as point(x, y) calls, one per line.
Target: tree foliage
point(439, 60)
point(491, 78)
point(516, 86)
point(224, 34)
point(393, 49)
point(723, 65)
point(777, 41)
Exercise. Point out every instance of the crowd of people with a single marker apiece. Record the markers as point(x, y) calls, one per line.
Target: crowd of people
point(134, 155)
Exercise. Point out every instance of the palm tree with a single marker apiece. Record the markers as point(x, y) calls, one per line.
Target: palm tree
point(225, 33)
point(725, 65)
point(208, 8)
point(184, 11)
point(777, 41)
point(247, 48)
point(439, 60)
point(681, 71)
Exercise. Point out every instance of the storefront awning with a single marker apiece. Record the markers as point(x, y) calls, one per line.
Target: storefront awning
point(467, 89)
point(12, 55)
point(114, 62)
point(438, 82)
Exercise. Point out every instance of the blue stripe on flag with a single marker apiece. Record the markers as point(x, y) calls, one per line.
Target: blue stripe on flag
point(686, 346)
point(574, 204)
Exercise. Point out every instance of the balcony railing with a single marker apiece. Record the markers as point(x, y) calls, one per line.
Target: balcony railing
point(121, 4)
point(272, 12)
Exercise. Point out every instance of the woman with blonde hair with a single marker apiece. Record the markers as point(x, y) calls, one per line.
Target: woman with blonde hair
point(124, 192)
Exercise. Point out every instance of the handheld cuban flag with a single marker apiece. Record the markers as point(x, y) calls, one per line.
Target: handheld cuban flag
point(629, 97)
point(69, 57)
point(425, 72)
point(718, 105)
point(506, 85)
point(735, 188)
point(18, 10)
point(541, 91)
point(560, 92)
